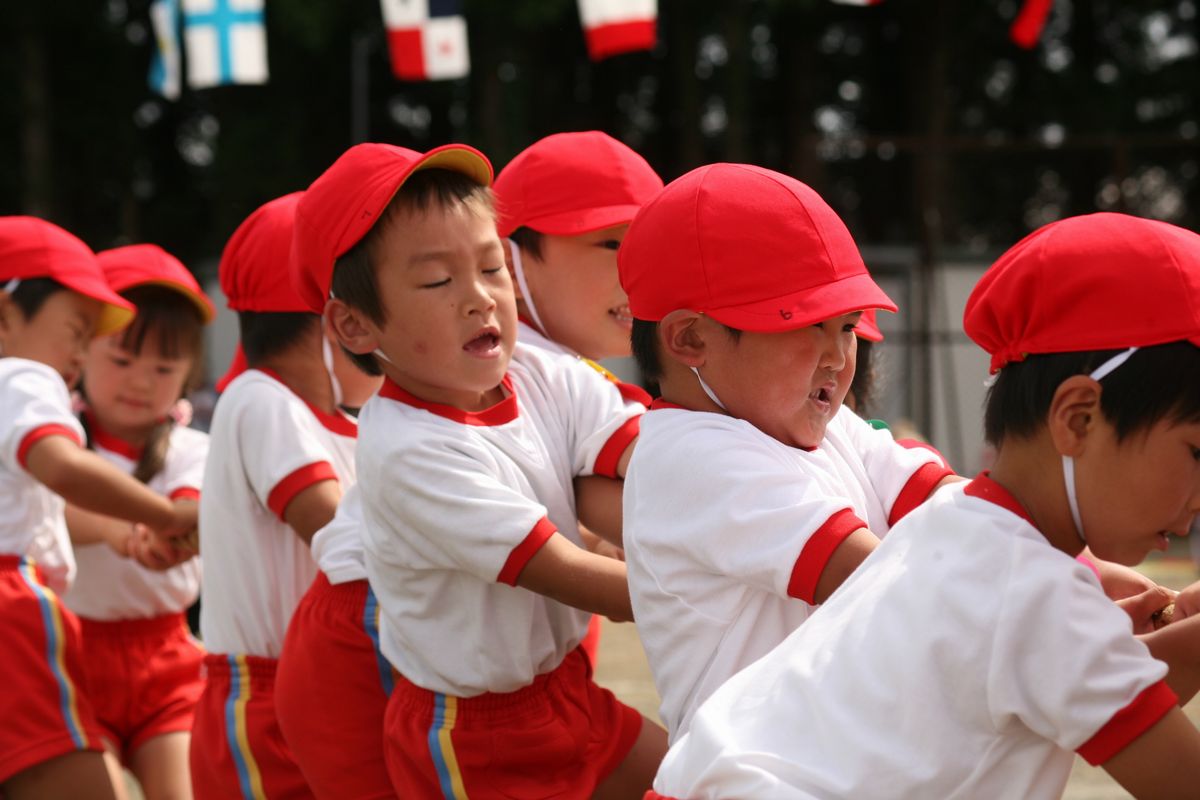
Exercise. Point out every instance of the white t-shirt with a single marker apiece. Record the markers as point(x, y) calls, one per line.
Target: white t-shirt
point(456, 503)
point(727, 530)
point(110, 587)
point(34, 403)
point(267, 445)
point(966, 658)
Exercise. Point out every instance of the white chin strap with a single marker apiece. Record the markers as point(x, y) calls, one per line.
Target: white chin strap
point(708, 390)
point(519, 273)
point(1068, 463)
point(327, 357)
point(11, 286)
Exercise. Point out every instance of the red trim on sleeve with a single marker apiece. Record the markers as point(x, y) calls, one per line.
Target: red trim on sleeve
point(610, 455)
point(917, 444)
point(526, 550)
point(186, 493)
point(286, 490)
point(817, 552)
point(919, 487)
point(1129, 723)
point(41, 432)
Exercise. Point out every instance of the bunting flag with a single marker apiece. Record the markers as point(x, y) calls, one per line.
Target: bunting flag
point(226, 42)
point(427, 39)
point(164, 68)
point(1027, 27)
point(612, 27)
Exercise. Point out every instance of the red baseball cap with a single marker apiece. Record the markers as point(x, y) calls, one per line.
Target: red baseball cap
point(568, 184)
point(346, 200)
point(868, 327)
point(1096, 282)
point(142, 264)
point(254, 270)
point(34, 248)
point(749, 247)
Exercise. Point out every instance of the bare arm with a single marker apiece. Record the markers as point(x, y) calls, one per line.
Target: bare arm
point(88, 527)
point(598, 505)
point(623, 461)
point(312, 508)
point(573, 576)
point(1163, 763)
point(845, 559)
point(1178, 645)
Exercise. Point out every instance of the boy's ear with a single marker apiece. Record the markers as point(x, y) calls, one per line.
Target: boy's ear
point(7, 309)
point(1074, 413)
point(681, 336)
point(350, 327)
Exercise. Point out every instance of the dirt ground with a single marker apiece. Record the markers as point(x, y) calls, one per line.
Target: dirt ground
point(622, 668)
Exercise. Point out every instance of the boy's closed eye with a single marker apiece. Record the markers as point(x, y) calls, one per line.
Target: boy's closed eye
point(609, 244)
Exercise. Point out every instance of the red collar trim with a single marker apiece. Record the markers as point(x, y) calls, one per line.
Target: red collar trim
point(987, 489)
point(110, 441)
point(337, 422)
point(503, 412)
point(658, 403)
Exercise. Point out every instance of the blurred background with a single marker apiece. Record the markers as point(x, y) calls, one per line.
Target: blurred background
point(939, 139)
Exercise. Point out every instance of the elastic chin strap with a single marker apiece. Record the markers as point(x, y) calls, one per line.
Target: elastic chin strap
point(519, 272)
point(1068, 464)
point(11, 286)
point(327, 357)
point(708, 390)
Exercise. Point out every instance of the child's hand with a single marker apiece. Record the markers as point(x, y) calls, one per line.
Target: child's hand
point(1145, 608)
point(1187, 602)
point(185, 518)
point(153, 551)
point(1121, 582)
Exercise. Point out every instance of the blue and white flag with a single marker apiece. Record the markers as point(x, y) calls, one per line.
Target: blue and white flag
point(427, 39)
point(226, 42)
point(164, 68)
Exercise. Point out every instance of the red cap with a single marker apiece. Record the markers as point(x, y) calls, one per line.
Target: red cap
point(344, 202)
point(868, 327)
point(572, 183)
point(142, 264)
point(751, 248)
point(33, 248)
point(254, 268)
point(1096, 282)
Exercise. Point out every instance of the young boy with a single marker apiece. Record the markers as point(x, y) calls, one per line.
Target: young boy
point(281, 450)
point(468, 456)
point(971, 655)
point(753, 493)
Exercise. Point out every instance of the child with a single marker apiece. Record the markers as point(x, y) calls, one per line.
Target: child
point(143, 667)
point(53, 300)
point(753, 493)
point(971, 654)
point(281, 451)
point(564, 204)
point(467, 462)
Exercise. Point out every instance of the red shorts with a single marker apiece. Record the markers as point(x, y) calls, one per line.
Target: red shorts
point(332, 689)
point(143, 678)
point(558, 737)
point(43, 699)
point(237, 749)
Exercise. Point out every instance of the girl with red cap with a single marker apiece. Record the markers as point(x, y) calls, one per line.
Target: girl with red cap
point(53, 300)
point(143, 666)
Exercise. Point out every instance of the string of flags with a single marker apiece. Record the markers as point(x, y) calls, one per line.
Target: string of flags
point(225, 41)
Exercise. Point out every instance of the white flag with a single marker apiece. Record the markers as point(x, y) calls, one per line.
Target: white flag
point(164, 69)
point(226, 42)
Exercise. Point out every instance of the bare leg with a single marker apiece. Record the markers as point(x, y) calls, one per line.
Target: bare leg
point(79, 775)
point(161, 766)
point(636, 773)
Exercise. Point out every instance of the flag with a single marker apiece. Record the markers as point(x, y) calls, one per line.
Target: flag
point(226, 42)
point(164, 68)
point(1027, 27)
point(858, 2)
point(427, 39)
point(612, 27)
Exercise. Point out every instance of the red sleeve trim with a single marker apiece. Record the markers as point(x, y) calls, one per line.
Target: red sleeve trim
point(817, 552)
point(39, 433)
point(286, 490)
point(917, 490)
point(615, 447)
point(185, 493)
point(526, 550)
point(1129, 723)
point(634, 394)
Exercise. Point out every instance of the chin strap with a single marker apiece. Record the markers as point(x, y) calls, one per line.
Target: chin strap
point(708, 390)
point(11, 286)
point(519, 273)
point(327, 357)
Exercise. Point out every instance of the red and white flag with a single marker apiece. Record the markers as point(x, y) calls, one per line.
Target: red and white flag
point(427, 39)
point(612, 27)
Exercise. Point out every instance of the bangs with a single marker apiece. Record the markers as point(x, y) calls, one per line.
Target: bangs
point(170, 319)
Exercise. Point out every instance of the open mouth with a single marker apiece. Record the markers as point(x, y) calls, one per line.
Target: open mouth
point(622, 315)
point(823, 396)
point(485, 344)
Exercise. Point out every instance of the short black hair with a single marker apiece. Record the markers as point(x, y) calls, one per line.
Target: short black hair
point(267, 333)
point(355, 278)
point(643, 341)
point(862, 386)
point(32, 293)
point(1156, 383)
point(529, 240)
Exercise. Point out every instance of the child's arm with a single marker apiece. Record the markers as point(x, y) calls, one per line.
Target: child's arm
point(88, 481)
point(598, 506)
point(1164, 762)
point(312, 508)
point(845, 559)
point(573, 576)
point(87, 527)
point(1178, 646)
